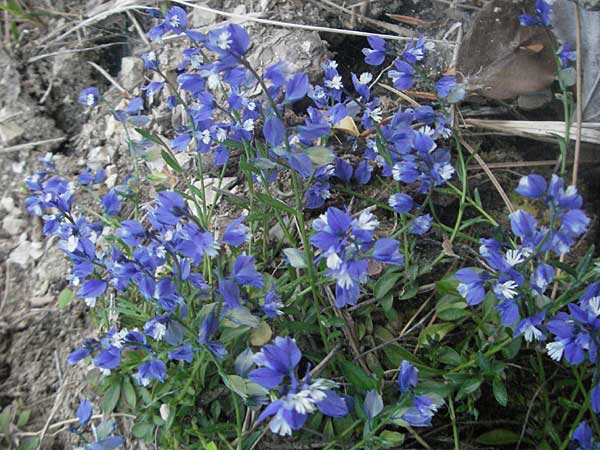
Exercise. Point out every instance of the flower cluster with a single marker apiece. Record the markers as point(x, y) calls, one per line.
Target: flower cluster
point(423, 407)
point(542, 16)
point(296, 399)
point(576, 336)
point(346, 244)
point(519, 265)
point(158, 262)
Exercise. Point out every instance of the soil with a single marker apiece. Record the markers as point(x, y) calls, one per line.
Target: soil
point(38, 101)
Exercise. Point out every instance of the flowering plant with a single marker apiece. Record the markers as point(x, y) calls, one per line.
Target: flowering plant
point(187, 301)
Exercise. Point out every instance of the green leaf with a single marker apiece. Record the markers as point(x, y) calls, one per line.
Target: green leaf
point(260, 335)
point(275, 203)
point(171, 161)
point(111, 397)
point(236, 384)
point(386, 283)
point(129, 391)
point(23, 418)
point(392, 437)
point(31, 443)
point(500, 392)
point(358, 377)
point(568, 76)
point(5, 420)
point(584, 264)
point(449, 356)
point(240, 316)
point(65, 298)
point(468, 387)
point(141, 430)
point(498, 437)
point(211, 446)
point(147, 135)
point(263, 164)
point(157, 177)
point(435, 333)
point(320, 156)
point(512, 349)
point(295, 257)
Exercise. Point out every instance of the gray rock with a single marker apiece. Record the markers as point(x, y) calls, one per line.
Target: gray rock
point(132, 72)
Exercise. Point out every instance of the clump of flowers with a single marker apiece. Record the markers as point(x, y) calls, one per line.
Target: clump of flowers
point(179, 300)
point(296, 398)
point(423, 407)
point(518, 263)
point(346, 244)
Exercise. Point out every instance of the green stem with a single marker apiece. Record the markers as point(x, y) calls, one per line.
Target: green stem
point(454, 424)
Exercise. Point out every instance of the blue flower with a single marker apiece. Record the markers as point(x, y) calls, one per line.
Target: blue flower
point(236, 233)
point(89, 346)
point(296, 88)
point(343, 170)
point(274, 130)
point(541, 17)
point(529, 328)
point(208, 327)
point(386, 251)
point(471, 286)
point(373, 404)
point(176, 20)
point(532, 186)
point(170, 207)
point(445, 85)
point(565, 54)
point(408, 378)
point(91, 290)
point(542, 277)
point(245, 273)
point(276, 361)
point(595, 397)
point(362, 173)
point(153, 370)
point(361, 84)
point(421, 413)
point(583, 435)
point(276, 73)
point(421, 225)
point(194, 243)
point(109, 443)
point(89, 96)
point(415, 50)
point(316, 195)
point(184, 353)
point(108, 359)
point(131, 232)
point(402, 76)
point(402, 203)
point(375, 55)
point(84, 412)
point(272, 304)
point(229, 42)
point(150, 60)
point(111, 203)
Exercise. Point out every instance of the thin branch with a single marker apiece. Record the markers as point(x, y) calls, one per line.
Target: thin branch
point(16, 148)
point(112, 81)
point(579, 96)
point(490, 175)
